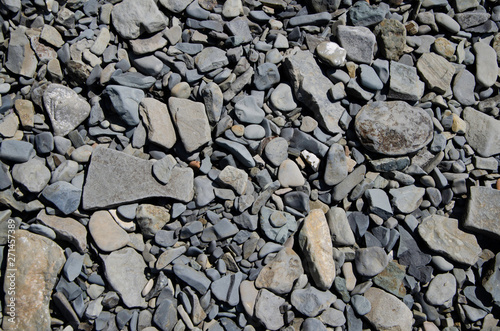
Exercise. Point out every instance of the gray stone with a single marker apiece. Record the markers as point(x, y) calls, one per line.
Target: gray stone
point(404, 82)
point(157, 122)
point(151, 219)
point(379, 203)
point(362, 14)
point(44, 143)
point(225, 229)
point(254, 132)
point(282, 98)
point(492, 280)
point(125, 102)
point(267, 310)
point(370, 261)
point(447, 22)
point(471, 19)
point(369, 78)
point(131, 18)
point(266, 76)
point(234, 178)
point(211, 58)
point(483, 212)
point(226, 289)
point(162, 169)
point(463, 87)
point(148, 45)
point(340, 230)
point(124, 270)
point(478, 124)
point(344, 187)
point(311, 301)
point(213, 100)
point(175, 6)
point(248, 111)
point(443, 236)
point(21, 60)
point(400, 318)
point(65, 108)
point(407, 199)
point(191, 122)
point(120, 170)
point(311, 88)
point(436, 71)
point(311, 19)
point(486, 64)
point(134, 80)
point(332, 317)
point(73, 266)
point(193, 278)
point(441, 289)
point(316, 245)
point(64, 196)
point(276, 151)
point(12, 5)
point(392, 36)
point(361, 304)
point(239, 28)
point(280, 274)
point(289, 174)
point(149, 65)
point(107, 234)
point(276, 225)
point(393, 127)
point(358, 41)
point(67, 229)
point(16, 151)
point(203, 191)
point(336, 165)
point(238, 150)
point(32, 175)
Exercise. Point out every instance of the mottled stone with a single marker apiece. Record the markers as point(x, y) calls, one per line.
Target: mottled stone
point(67, 229)
point(436, 72)
point(400, 316)
point(483, 212)
point(280, 274)
point(157, 122)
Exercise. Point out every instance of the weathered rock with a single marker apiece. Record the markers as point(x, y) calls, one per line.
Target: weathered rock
point(107, 234)
point(404, 82)
point(267, 309)
point(211, 58)
point(156, 119)
point(21, 59)
point(340, 230)
point(235, 178)
point(130, 18)
point(371, 261)
point(388, 312)
point(358, 41)
point(120, 171)
point(316, 244)
point(443, 236)
point(393, 127)
point(125, 102)
point(32, 175)
point(336, 165)
point(483, 212)
point(408, 198)
point(311, 88)
point(392, 35)
point(311, 301)
point(151, 219)
point(124, 270)
point(280, 274)
point(63, 195)
point(492, 279)
point(442, 288)
point(436, 72)
point(483, 132)
point(65, 108)
point(67, 229)
point(486, 64)
point(38, 261)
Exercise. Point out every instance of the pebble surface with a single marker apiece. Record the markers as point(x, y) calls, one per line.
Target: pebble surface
point(250, 165)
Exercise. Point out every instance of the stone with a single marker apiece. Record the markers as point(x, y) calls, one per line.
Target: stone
point(148, 45)
point(340, 230)
point(151, 219)
point(436, 72)
point(486, 64)
point(289, 174)
point(134, 80)
point(213, 100)
point(370, 261)
point(248, 111)
point(331, 53)
point(131, 18)
point(332, 317)
point(316, 245)
point(282, 98)
point(336, 165)
point(9, 125)
point(191, 122)
point(277, 225)
point(391, 279)
point(276, 151)
point(477, 124)
point(491, 281)
point(238, 150)
point(404, 82)
point(66, 228)
point(32, 175)
point(125, 102)
point(311, 87)
point(392, 35)
point(107, 234)
point(482, 212)
point(393, 127)
point(463, 87)
point(63, 196)
point(311, 324)
point(369, 78)
point(441, 289)
point(26, 112)
point(407, 199)
point(157, 122)
point(51, 36)
point(311, 301)
point(101, 42)
point(38, 261)
point(379, 203)
point(193, 278)
point(361, 304)
point(266, 76)
point(362, 14)
point(382, 302)
point(311, 19)
point(358, 41)
point(349, 183)
point(211, 58)
point(65, 108)
point(443, 236)
point(267, 310)
point(447, 22)
point(279, 275)
point(234, 178)
point(232, 8)
point(73, 266)
point(226, 289)
point(124, 270)
point(21, 60)
point(162, 169)
point(120, 170)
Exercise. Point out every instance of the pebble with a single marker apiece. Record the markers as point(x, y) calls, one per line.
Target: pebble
point(370, 261)
point(107, 234)
point(32, 175)
point(441, 289)
point(289, 174)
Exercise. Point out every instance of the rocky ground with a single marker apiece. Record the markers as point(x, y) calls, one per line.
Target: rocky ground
point(273, 164)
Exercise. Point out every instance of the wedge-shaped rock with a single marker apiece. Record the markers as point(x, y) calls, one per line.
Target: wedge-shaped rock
point(66, 228)
point(116, 178)
point(21, 59)
point(311, 88)
point(388, 312)
point(483, 212)
point(443, 236)
point(393, 127)
point(436, 71)
point(279, 275)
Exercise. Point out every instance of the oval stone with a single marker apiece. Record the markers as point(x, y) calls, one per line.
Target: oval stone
point(393, 127)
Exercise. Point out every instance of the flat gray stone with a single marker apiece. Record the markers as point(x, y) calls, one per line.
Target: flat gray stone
point(441, 289)
point(399, 318)
point(65, 108)
point(124, 270)
point(370, 261)
point(266, 76)
point(193, 278)
point(211, 58)
point(282, 98)
point(267, 309)
point(226, 289)
point(486, 64)
point(311, 301)
point(404, 82)
point(280, 274)
point(407, 199)
point(234, 178)
point(336, 165)
point(120, 170)
point(238, 150)
point(393, 127)
point(21, 59)
point(151, 219)
point(213, 100)
point(32, 175)
point(379, 203)
point(66, 228)
point(340, 230)
point(483, 212)
point(491, 282)
point(436, 72)
point(478, 123)
point(289, 174)
point(131, 18)
point(162, 169)
point(107, 234)
point(463, 87)
point(358, 41)
point(276, 151)
point(64, 196)
point(157, 122)
point(248, 111)
point(345, 187)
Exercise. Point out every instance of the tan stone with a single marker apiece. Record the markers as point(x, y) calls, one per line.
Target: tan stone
point(388, 313)
point(107, 234)
point(279, 275)
point(157, 122)
point(66, 228)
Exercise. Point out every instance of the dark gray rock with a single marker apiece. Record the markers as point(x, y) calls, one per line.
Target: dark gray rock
point(193, 278)
point(125, 102)
point(64, 196)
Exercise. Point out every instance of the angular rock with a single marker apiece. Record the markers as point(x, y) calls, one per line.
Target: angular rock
point(248, 111)
point(32, 175)
point(358, 41)
point(226, 289)
point(120, 171)
point(267, 310)
point(393, 127)
point(345, 187)
point(193, 278)
point(336, 165)
point(211, 58)
point(399, 318)
point(340, 230)
point(213, 100)
point(124, 270)
point(311, 301)
point(436, 72)
point(239, 151)
point(165, 316)
point(483, 212)
point(191, 122)
point(404, 82)
point(392, 35)
point(107, 234)
point(67, 229)
point(280, 274)
point(235, 178)
point(157, 122)
point(21, 59)
point(316, 244)
point(125, 102)
point(379, 203)
point(407, 199)
point(38, 261)
point(64, 196)
point(477, 124)
point(492, 280)
point(370, 261)
point(266, 76)
point(311, 88)
point(443, 236)
point(362, 14)
point(463, 87)
point(130, 18)
point(65, 108)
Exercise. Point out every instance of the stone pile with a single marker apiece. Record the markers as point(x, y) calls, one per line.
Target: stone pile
point(250, 165)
